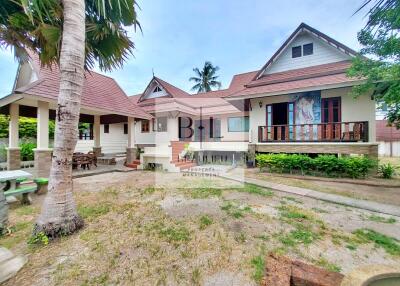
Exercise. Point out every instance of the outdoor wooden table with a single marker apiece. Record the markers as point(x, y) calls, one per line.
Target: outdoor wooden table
point(12, 177)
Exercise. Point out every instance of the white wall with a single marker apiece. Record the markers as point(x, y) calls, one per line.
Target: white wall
point(359, 109)
point(384, 148)
point(323, 54)
point(113, 142)
point(158, 138)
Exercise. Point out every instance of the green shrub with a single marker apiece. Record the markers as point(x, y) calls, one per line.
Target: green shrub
point(326, 165)
point(387, 171)
point(27, 153)
point(3, 153)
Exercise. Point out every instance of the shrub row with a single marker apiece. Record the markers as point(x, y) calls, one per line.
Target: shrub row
point(326, 165)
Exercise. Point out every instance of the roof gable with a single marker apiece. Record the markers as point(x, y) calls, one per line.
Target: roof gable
point(165, 89)
point(99, 91)
point(326, 50)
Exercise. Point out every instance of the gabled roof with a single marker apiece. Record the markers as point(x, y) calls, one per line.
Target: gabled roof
point(315, 77)
point(304, 27)
point(99, 91)
point(172, 91)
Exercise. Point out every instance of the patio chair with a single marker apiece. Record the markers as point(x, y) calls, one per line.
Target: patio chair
point(93, 158)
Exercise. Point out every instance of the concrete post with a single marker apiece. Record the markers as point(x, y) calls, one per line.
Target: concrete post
point(131, 150)
point(13, 151)
point(42, 152)
point(96, 135)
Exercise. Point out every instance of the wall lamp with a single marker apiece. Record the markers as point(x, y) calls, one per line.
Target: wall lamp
point(260, 104)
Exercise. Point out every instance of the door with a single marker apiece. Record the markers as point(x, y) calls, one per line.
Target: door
point(331, 116)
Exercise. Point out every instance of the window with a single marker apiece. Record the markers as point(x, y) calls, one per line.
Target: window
point(145, 126)
point(238, 124)
point(157, 89)
point(308, 49)
point(125, 128)
point(161, 124)
point(296, 52)
point(106, 128)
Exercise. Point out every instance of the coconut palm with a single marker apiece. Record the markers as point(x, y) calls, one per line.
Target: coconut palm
point(74, 34)
point(206, 79)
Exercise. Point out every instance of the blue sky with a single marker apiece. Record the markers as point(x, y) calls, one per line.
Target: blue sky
point(238, 36)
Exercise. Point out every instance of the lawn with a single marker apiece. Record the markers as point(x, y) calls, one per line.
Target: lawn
point(146, 228)
point(372, 188)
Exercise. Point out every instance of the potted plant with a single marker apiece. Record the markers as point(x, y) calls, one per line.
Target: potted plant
point(250, 159)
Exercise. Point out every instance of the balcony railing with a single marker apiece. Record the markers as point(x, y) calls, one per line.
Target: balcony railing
point(318, 132)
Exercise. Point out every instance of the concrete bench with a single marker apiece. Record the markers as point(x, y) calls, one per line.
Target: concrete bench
point(24, 191)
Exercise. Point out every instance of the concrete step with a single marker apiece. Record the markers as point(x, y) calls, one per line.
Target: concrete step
point(10, 264)
point(133, 166)
point(187, 166)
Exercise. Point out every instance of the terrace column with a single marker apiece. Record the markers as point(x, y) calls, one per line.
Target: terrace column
point(96, 135)
point(13, 151)
point(131, 150)
point(43, 152)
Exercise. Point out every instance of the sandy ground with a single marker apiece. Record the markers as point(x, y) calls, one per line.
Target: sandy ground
point(145, 228)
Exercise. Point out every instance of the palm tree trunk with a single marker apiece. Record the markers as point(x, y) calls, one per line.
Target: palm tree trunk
point(59, 215)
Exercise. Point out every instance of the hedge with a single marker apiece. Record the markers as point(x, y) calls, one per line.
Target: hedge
point(325, 165)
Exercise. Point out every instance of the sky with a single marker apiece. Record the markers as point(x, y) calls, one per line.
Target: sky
point(238, 36)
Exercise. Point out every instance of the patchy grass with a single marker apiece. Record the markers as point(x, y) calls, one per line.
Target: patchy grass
point(319, 210)
point(300, 235)
point(324, 263)
point(292, 199)
point(26, 210)
point(205, 221)
point(150, 190)
point(196, 276)
point(389, 244)
point(203, 193)
point(258, 264)
point(256, 190)
point(296, 213)
point(172, 233)
point(235, 210)
point(93, 211)
point(382, 219)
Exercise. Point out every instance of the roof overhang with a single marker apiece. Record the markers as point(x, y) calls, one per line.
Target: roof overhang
point(32, 101)
point(291, 91)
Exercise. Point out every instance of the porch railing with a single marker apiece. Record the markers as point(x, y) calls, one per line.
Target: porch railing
point(356, 131)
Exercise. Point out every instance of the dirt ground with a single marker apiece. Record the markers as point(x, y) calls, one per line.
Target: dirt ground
point(379, 190)
point(145, 228)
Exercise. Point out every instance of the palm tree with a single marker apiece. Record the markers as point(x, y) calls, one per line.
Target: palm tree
point(206, 79)
point(74, 34)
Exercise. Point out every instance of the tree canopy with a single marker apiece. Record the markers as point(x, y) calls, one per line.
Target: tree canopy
point(37, 25)
point(381, 43)
point(206, 79)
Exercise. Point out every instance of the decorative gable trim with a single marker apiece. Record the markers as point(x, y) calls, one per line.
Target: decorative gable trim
point(301, 28)
point(149, 89)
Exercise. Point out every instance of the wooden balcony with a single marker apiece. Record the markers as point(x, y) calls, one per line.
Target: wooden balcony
point(356, 131)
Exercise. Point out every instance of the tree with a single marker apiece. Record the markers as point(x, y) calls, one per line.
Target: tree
point(381, 71)
point(206, 79)
point(74, 34)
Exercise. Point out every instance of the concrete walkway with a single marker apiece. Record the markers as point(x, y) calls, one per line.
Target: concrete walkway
point(337, 199)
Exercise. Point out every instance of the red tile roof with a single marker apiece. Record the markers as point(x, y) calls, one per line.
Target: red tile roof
point(171, 89)
point(99, 91)
point(290, 81)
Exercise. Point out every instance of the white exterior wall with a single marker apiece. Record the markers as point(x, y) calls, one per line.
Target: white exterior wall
point(359, 109)
point(323, 54)
point(384, 148)
point(113, 142)
point(355, 109)
point(232, 136)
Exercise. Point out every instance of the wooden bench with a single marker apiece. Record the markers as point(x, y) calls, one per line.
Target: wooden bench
point(24, 191)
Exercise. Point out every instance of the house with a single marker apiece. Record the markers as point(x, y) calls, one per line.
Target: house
point(297, 102)
point(103, 104)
